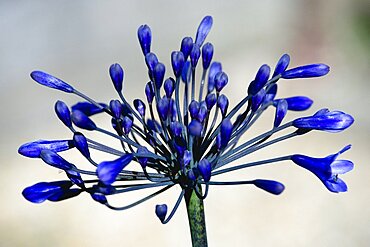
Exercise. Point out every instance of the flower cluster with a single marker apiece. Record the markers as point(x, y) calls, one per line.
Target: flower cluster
point(185, 134)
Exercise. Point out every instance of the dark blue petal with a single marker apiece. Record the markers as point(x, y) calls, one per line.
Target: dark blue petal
point(226, 130)
point(144, 35)
point(33, 149)
point(63, 195)
point(270, 186)
point(163, 108)
point(81, 144)
point(53, 159)
point(176, 128)
point(116, 74)
point(161, 211)
point(82, 121)
point(75, 177)
point(221, 80)
point(51, 81)
point(194, 108)
point(281, 111)
point(108, 170)
point(88, 109)
point(187, 157)
point(195, 128)
point(195, 55)
point(270, 94)
point(203, 30)
point(151, 61)
point(105, 189)
point(186, 72)
point(154, 126)
point(223, 103)
point(169, 86)
point(63, 113)
point(99, 197)
point(218, 141)
point(333, 121)
point(213, 70)
point(258, 99)
point(205, 168)
point(40, 192)
point(186, 46)
point(207, 54)
point(127, 124)
point(306, 71)
point(158, 74)
point(149, 92)
point(180, 145)
point(282, 65)
point(140, 107)
point(297, 103)
point(191, 175)
point(178, 61)
point(211, 100)
point(202, 113)
point(260, 81)
point(116, 108)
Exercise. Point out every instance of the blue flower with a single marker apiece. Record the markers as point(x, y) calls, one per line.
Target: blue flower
point(43, 191)
point(331, 121)
point(185, 134)
point(51, 81)
point(327, 169)
point(306, 71)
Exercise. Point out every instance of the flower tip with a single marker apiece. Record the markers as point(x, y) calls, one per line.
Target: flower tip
point(116, 74)
point(51, 81)
point(82, 121)
point(306, 71)
point(107, 171)
point(161, 211)
point(346, 148)
point(144, 35)
point(205, 168)
point(203, 30)
point(270, 186)
point(63, 113)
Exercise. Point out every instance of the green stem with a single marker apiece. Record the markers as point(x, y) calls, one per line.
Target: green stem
point(197, 223)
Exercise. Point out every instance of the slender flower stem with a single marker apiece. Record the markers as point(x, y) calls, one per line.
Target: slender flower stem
point(197, 223)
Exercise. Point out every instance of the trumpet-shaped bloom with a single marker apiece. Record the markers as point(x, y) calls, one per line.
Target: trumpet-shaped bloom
point(327, 169)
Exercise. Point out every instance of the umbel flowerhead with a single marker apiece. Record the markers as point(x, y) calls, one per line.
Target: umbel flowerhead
point(184, 133)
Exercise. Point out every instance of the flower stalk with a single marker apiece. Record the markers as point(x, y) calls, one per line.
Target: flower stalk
point(197, 222)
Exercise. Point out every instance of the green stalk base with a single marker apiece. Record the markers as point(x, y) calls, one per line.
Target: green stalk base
point(197, 223)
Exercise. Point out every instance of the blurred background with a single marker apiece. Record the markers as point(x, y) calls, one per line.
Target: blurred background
point(78, 41)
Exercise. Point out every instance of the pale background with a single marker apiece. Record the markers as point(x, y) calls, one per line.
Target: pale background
point(78, 40)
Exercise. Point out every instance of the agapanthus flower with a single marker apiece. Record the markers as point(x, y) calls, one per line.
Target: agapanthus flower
point(184, 135)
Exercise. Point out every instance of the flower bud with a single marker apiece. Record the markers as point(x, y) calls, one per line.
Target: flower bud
point(51, 81)
point(178, 61)
point(306, 71)
point(108, 170)
point(82, 121)
point(282, 65)
point(207, 54)
point(186, 47)
point(63, 113)
point(116, 74)
point(144, 35)
point(203, 30)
